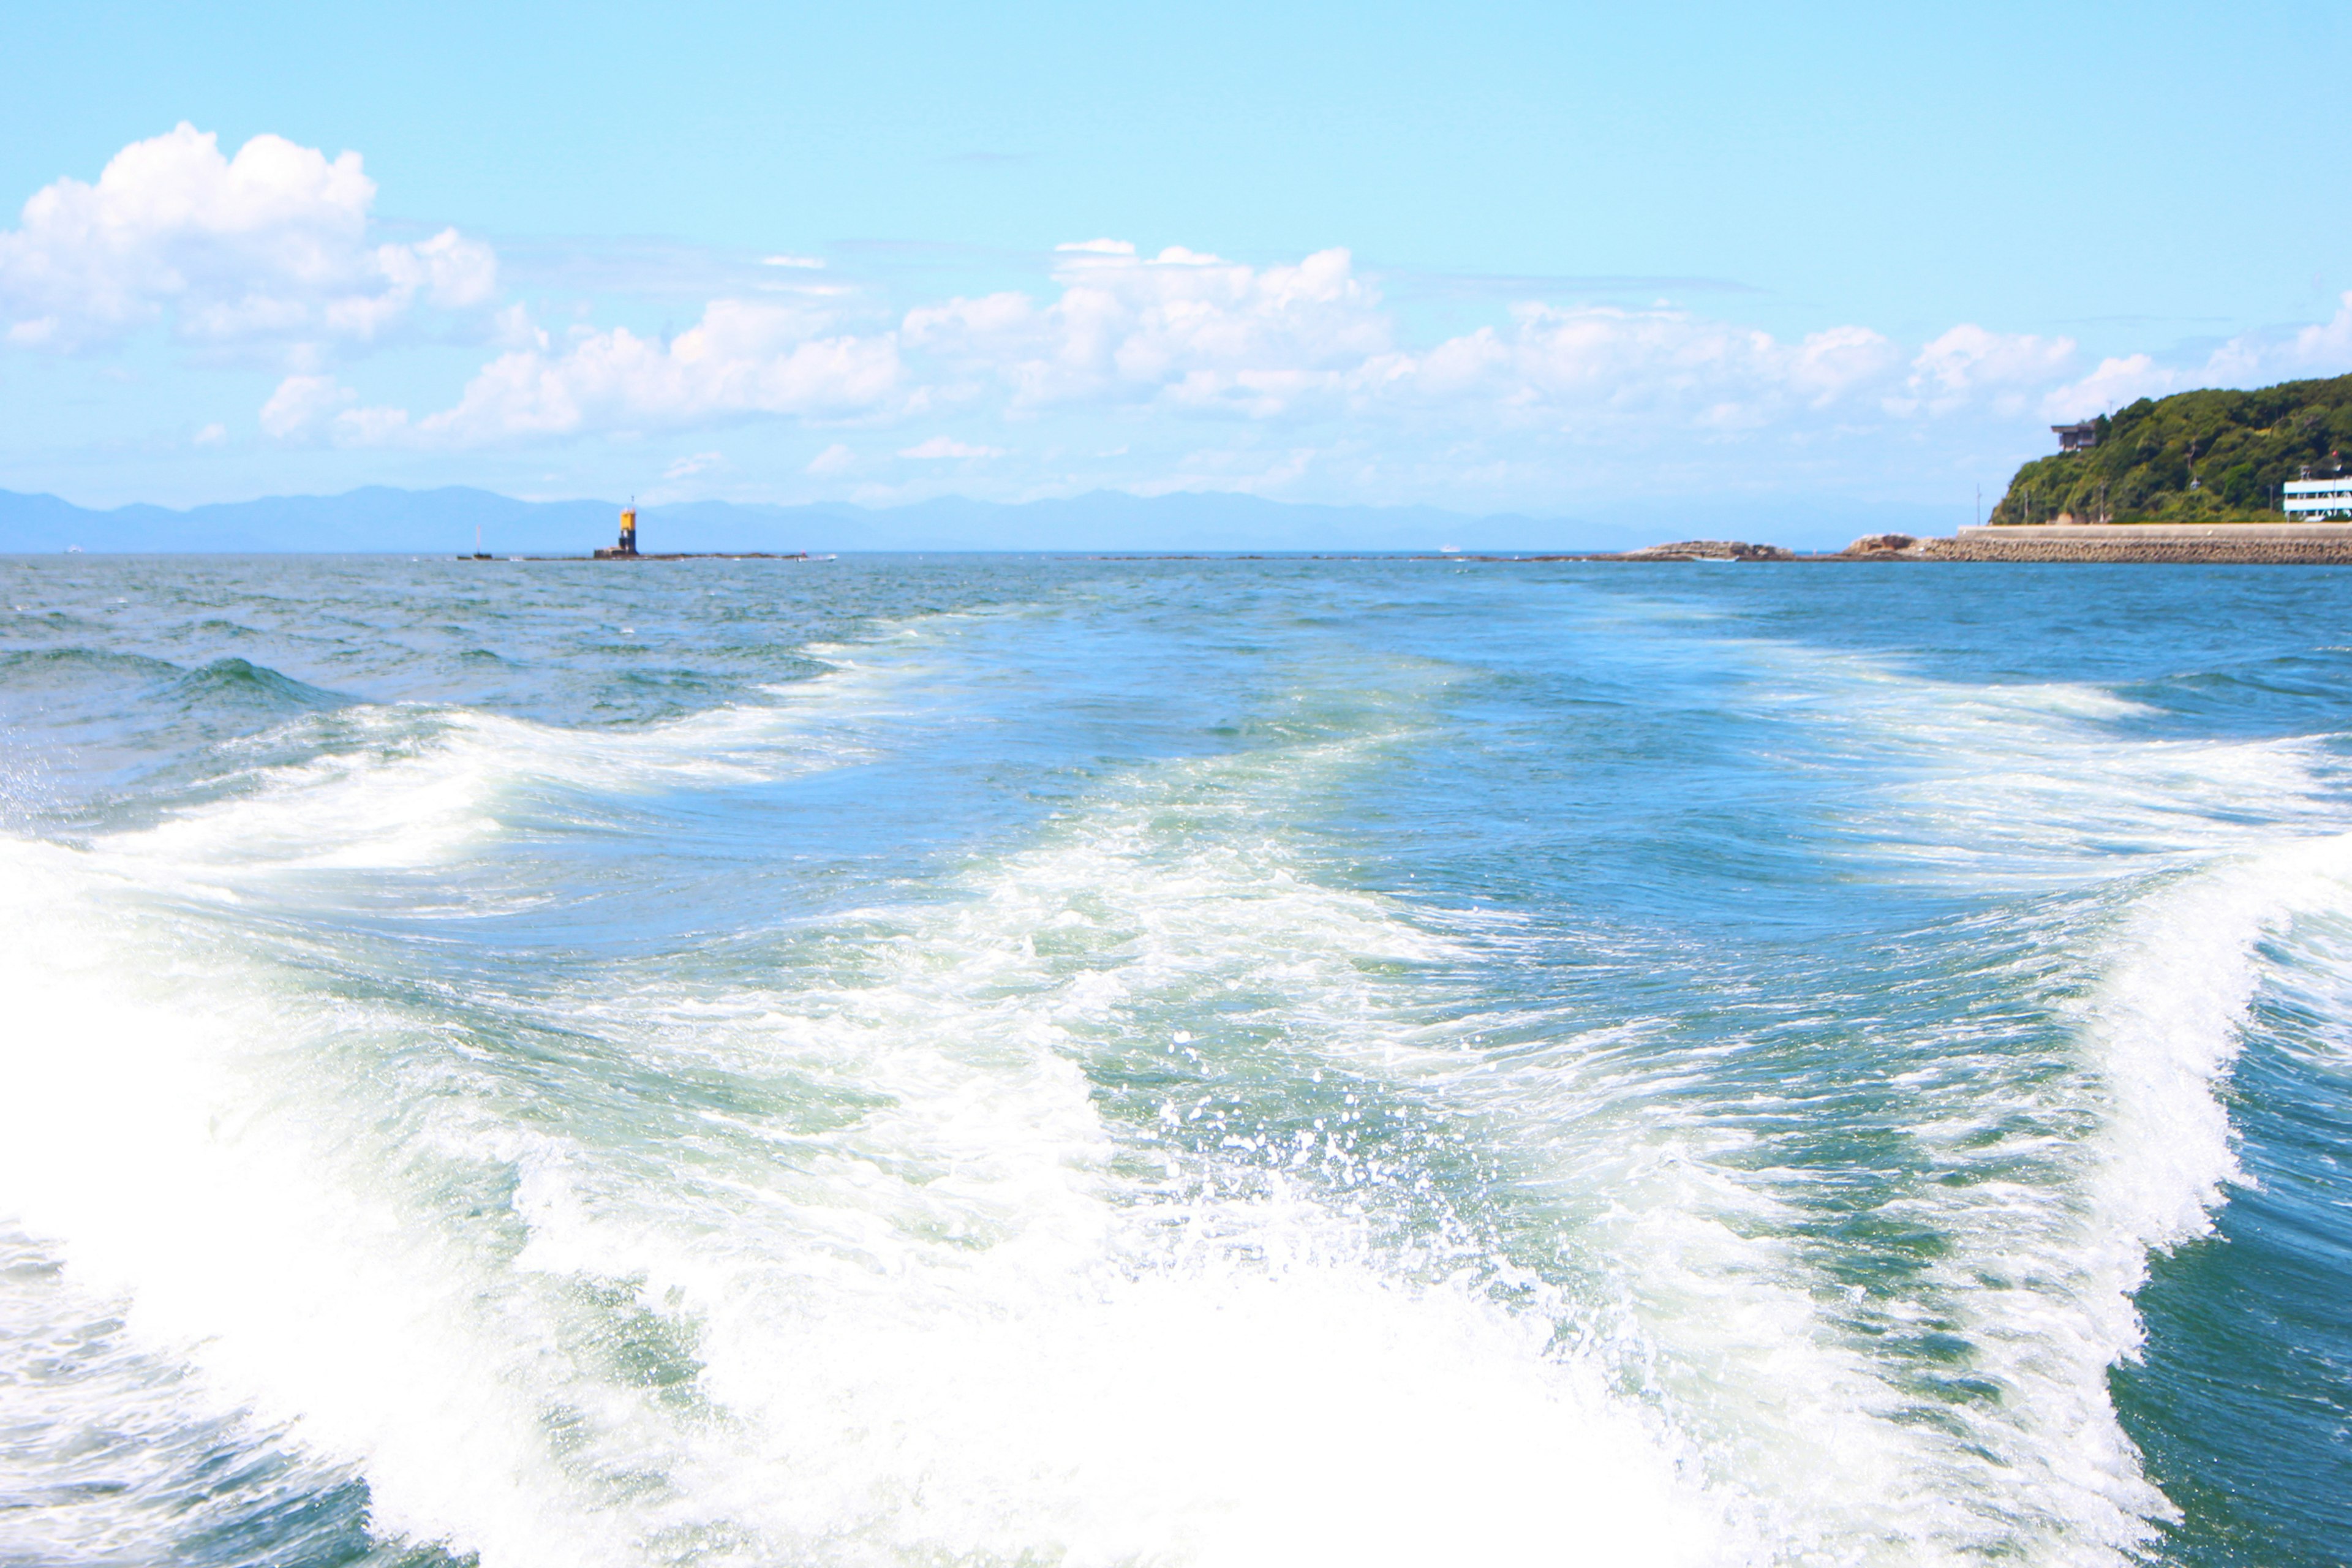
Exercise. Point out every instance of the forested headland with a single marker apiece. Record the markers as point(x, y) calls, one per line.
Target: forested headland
point(2194, 457)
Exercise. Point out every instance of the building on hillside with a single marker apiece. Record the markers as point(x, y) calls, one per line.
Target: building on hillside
point(2318, 498)
point(2075, 437)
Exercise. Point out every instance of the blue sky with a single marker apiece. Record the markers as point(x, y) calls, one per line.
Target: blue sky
point(1553, 259)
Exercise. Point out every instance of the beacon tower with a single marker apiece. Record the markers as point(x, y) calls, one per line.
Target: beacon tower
point(629, 545)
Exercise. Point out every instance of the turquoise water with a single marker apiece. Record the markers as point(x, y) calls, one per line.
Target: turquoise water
point(1021, 1061)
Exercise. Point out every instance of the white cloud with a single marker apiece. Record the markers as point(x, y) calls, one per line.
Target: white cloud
point(687, 467)
point(369, 426)
point(1188, 332)
point(306, 408)
point(272, 252)
point(1160, 341)
point(2324, 348)
point(1601, 368)
point(2113, 384)
point(1183, 329)
point(212, 436)
point(1969, 362)
point(742, 358)
point(2250, 359)
point(270, 246)
point(300, 402)
point(512, 327)
point(1244, 473)
point(1184, 333)
point(939, 447)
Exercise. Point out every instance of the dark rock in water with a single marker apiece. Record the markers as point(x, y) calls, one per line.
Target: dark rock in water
point(1709, 549)
point(1883, 544)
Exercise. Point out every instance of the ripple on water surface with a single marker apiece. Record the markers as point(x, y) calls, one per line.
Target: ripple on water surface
point(998, 1060)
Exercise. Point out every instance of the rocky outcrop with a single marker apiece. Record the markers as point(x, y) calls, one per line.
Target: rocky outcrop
point(1883, 546)
point(1708, 549)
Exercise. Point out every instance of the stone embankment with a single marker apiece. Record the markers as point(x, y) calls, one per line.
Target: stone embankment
point(2250, 543)
point(2214, 543)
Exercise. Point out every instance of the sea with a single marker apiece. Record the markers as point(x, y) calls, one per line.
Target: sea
point(1034, 1062)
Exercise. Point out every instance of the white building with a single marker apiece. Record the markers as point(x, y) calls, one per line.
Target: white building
point(2318, 497)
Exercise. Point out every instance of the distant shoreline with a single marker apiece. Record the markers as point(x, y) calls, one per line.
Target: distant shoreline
point(2203, 545)
point(2247, 544)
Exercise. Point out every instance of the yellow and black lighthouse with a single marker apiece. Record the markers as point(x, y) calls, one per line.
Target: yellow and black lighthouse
point(629, 545)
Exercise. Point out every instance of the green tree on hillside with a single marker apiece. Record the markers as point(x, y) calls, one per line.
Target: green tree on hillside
point(2195, 456)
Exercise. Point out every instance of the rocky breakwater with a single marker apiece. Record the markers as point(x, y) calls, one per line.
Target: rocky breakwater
point(1886, 547)
point(2214, 543)
point(1706, 550)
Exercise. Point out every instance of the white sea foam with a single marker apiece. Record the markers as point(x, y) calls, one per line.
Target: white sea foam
point(975, 1317)
point(169, 1123)
point(942, 1329)
point(2185, 855)
point(105, 1456)
point(2008, 783)
point(926, 1302)
point(2050, 1189)
point(419, 786)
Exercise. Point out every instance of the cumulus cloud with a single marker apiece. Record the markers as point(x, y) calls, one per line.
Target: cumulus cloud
point(939, 447)
point(1969, 362)
point(270, 246)
point(2324, 348)
point(301, 403)
point(741, 358)
point(1606, 364)
point(1240, 473)
point(272, 251)
point(1181, 335)
point(1187, 332)
point(2250, 359)
point(309, 408)
point(2115, 382)
point(1183, 329)
point(512, 327)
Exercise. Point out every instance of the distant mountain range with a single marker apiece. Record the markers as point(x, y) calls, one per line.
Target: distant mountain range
point(378, 520)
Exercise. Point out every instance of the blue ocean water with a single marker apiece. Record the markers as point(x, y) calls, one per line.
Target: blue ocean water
point(1001, 1060)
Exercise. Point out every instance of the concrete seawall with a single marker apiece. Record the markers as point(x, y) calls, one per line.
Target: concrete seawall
point(2252, 544)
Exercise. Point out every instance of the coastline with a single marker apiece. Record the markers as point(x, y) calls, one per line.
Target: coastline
point(2204, 544)
point(2246, 543)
